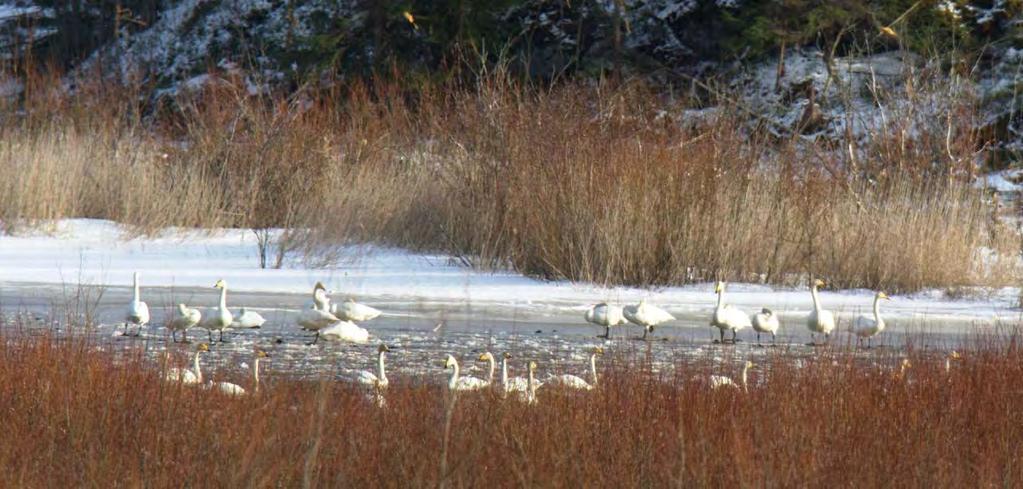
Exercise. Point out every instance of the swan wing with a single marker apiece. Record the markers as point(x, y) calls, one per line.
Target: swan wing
point(518, 384)
point(316, 319)
point(470, 384)
point(367, 378)
point(138, 312)
point(230, 389)
point(353, 311)
point(345, 331)
point(718, 381)
point(181, 375)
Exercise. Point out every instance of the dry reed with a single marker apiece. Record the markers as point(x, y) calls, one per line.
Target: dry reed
point(584, 183)
point(78, 416)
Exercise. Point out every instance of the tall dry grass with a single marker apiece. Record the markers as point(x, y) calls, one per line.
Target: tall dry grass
point(581, 182)
point(76, 415)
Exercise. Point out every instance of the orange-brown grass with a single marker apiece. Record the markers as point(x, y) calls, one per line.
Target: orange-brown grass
point(75, 416)
point(578, 182)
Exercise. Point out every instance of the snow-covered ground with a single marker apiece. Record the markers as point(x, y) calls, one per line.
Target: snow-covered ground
point(94, 252)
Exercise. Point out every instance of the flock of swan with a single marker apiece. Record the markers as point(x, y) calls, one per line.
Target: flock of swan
point(727, 317)
point(337, 322)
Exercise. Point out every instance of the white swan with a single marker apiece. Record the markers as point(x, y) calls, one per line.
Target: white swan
point(820, 320)
point(605, 315)
point(185, 376)
point(317, 316)
point(868, 327)
point(953, 356)
point(532, 384)
point(646, 316)
point(574, 381)
point(248, 320)
point(719, 381)
point(766, 321)
point(220, 317)
point(349, 310)
point(491, 365)
point(457, 383)
point(138, 311)
point(518, 385)
point(235, 389)
point(184, 319)
point(346, 331)
point(727, 317)
point(377, 382)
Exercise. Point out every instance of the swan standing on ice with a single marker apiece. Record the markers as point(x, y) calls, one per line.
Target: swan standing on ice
point(727, 317)
point(220, 317)
point(377, 382)
point(868, 327)
point(138, 311)
point(574, 381)
point(719, 381)
point(820, 320)
point(346, 331)
point(766, 321)
point(184, 319)
point(248, 320)
point(605, 315)
point(318, 316)
point(184, 375)
point(349, 310)
point(646, 316)
point(235, 389)
point(457, 383)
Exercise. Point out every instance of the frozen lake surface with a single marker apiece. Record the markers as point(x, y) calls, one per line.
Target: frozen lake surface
point(79, 270)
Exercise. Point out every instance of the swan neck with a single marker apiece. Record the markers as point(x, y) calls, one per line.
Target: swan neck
point(721, 297)
point(490, 376)
point(135, 281)
point(454, 376)
point(877, 309)
point(255, 374)
point(504, 373)
point(223, 298)
point(745, 372)
point(816, 299)
point(195, 366)
point(593, 367)
point(380, 367)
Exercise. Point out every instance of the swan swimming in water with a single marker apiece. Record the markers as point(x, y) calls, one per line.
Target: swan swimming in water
point(605, 315)
point(868, 327)
point(766, 321)
point(138, 311)
point(820, 320)
point(235, 389)
point(646, 316)
point(574, 381)
point(719, 381)
point(727, 317)
point(184, 319)
point(185, 376)
point(377, 382)
point(220, 317)
point(456, 383)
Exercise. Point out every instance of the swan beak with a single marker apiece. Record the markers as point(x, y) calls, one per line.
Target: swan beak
point(884, 296)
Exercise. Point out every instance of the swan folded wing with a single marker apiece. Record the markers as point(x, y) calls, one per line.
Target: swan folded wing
point(345, 331)
point(470, 384)
point(182, 375)
point(367, 378)
point(230, 389)
point(570, 381)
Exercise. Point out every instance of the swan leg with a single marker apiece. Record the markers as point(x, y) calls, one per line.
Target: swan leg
point(174, 336)
point(222, 337)
point(645, 331)
point(185, 337)
point(734, 333)
point(758, 337)
point(722, 335)
point(315, 339)
point(774, 339)
point(210, 332)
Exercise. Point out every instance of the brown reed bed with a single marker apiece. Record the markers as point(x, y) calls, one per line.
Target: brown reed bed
point(590, 183)
point(78, 416)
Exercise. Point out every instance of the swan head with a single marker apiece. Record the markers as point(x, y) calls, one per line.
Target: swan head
point(954, 355)
point(383, 348)
point(719, 287)
point(221, 284)
point(532, 366)
point(598, 350)
point(450, 362)
point(749, 364)
point(767, 312)
point(181, 307)
point(882, 295)
point(819, 283)
point(261, 354)
point(485, 357)
point(319, 286)
point(203, 347)
point(506, 356)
